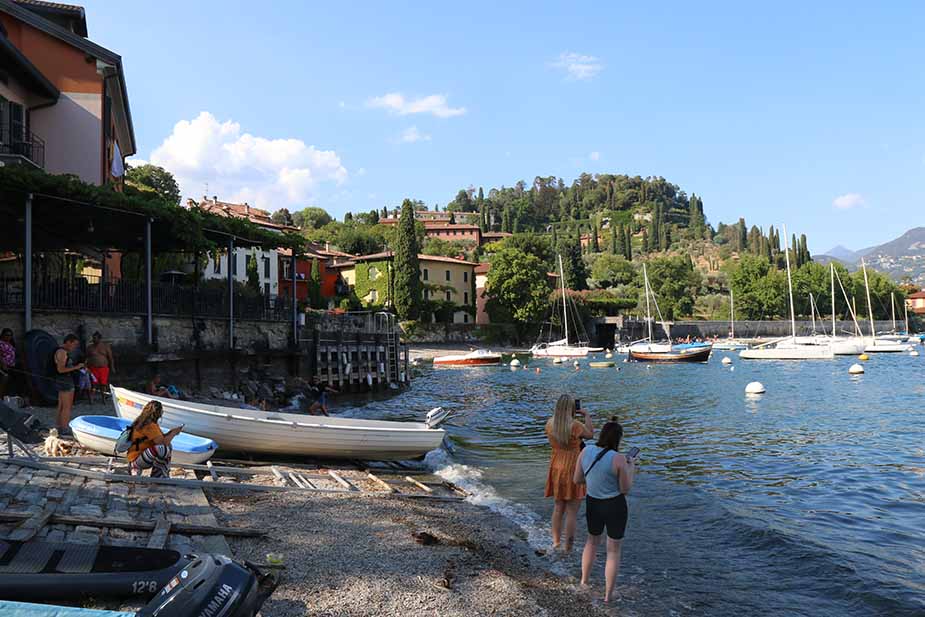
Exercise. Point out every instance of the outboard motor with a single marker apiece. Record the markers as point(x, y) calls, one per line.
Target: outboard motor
point(213, 586)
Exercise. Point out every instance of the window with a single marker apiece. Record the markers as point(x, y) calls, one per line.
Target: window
point(266, 267)
point(266, 290)
point(449, 296)
point(465, 317)
point(234, 263)
point(425, 274)
point(427, 294)
point(465, 277)
point(373, 295)
point(287, 270)
point(448, 275)
point(466, 297)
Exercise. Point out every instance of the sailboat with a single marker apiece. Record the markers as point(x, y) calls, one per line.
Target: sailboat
point(731, 343)
point(880, 345)
point(564, 348)
point(650, 351)
point(893, 336)
point(788, 347)
point(844, 345)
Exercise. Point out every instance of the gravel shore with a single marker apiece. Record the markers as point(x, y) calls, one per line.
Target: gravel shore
point(352, 556)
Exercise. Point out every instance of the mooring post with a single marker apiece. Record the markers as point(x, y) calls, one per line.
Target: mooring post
point(149, 300)
point(27, 267)
point(295, 304)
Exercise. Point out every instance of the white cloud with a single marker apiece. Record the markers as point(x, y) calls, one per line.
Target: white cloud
point(435, 104)
point(848, 200)
point(595, 156)
point(238, 166)
point(578, 66)
point(341, 104)
point(134, 161)
point(411, 135)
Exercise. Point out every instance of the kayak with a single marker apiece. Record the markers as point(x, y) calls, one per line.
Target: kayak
point(100, 433)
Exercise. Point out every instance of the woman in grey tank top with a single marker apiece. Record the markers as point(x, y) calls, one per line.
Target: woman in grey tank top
point(609, 477)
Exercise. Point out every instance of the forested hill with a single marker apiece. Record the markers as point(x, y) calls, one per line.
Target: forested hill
point(548, 200)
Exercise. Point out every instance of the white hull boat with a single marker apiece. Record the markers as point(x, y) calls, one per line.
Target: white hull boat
point(556, 350)
point(848, 346)
point(479, 357)
point(254, 431)
point(730, 345)
point(882, 346)
point(100, 433)
point(788, 350)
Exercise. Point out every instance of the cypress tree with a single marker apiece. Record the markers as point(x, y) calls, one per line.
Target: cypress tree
point(628, 245)
point(615, 247)
point(645, 241)
point(483, 215)
point(314, 285)
point(555, 239)
point(574, 266)
point(506, 219)
point(408, 297)
point(595, 232)
point(794, 251)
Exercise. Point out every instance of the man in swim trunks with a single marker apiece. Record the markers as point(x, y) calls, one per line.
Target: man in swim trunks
point(100, 362)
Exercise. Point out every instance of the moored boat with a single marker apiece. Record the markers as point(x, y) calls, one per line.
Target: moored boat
point(478, 357)
point(255, 431)
point(677, 353)
point(100, 433)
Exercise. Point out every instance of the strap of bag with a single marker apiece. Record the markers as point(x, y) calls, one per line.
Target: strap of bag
point(599, 456)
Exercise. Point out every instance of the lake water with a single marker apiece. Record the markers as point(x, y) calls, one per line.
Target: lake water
point(807, 500)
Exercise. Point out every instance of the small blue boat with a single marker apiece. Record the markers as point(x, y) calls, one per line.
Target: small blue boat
point(100, 433)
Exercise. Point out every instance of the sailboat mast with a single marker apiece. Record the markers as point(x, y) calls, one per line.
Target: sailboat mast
point(832, 274)
point(793, 317)
point(564, 307)
point(906, 316)
point(893, 310)
point(645, 277)
point(870, 307)
point(812, 311)
point(732, 314)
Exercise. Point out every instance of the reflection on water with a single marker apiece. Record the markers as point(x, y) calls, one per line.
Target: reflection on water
point(809, 499)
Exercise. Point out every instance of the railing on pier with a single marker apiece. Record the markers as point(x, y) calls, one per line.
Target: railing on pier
point(91, 294)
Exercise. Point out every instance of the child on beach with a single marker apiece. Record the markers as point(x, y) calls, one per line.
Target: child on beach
point(565, 433)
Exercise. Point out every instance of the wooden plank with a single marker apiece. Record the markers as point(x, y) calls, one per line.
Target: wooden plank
point(414, 482)
point(279, 476)
point(32, 525)
point(159, 536)
point(137, 525)
point(341, 481)
point(212, 471)
point(305, 481)
point(385, 485)
point(296, 481)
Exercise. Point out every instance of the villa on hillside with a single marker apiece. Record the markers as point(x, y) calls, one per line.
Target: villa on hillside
point(444, 278)
point(440, 227)
point(916, 303)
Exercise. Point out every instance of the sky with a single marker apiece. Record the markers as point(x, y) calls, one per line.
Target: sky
point(804, 114)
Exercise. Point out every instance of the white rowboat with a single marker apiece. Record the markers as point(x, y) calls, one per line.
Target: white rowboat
point(254, 431)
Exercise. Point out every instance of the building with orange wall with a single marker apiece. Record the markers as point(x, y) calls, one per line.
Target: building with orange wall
point(63, 99)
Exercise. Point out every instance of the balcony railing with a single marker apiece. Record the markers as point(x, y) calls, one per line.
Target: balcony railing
point(90, 294)
point(15, 141)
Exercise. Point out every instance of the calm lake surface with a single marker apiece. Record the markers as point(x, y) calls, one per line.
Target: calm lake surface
point(808, 500)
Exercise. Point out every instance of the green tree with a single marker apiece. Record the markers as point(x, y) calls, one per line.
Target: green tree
point(516, 289)
point(314, 286)
point(612, 270)
point(576, 276)
point(253, 277)
point(595, 232)
point(628, 245)
point(645, 241)
point(282, 217)
point(408, 296)
point(311, 218)
point(156, 178)
point(675, 284)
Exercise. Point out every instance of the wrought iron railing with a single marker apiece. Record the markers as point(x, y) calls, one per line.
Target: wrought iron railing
point(90, 294)
point(16, 141)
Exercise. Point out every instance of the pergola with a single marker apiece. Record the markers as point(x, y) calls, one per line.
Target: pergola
point(37, 222)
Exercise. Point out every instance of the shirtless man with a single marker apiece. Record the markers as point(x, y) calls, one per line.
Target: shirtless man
point(100, 362)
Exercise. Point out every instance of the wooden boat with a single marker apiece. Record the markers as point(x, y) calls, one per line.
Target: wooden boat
point(100, 433)
point(478, 357)
point(38, 570)
point(678, 353)
point(254, 431)
point(606, 364)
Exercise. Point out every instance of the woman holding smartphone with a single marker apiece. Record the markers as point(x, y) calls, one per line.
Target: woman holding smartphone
point(609, 477)
point(565, 433)
point(151, 447)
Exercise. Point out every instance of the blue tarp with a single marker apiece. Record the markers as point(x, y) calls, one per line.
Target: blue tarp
point(22, 609)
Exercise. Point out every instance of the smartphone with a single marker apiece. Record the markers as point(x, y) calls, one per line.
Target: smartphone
point(577, 404)
point(633, 453)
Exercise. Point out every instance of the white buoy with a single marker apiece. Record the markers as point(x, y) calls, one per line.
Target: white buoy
point(755, 387)
point(727, 360)
point(575, 363)
point(856, 369)
point(557, 361)
point(515, 362)
point(608, 355)
point(913, 353)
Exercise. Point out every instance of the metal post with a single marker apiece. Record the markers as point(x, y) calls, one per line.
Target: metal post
point(230, 293)
point(149, 294)
point(27, 267)
point(103, 272)
point(295, 304)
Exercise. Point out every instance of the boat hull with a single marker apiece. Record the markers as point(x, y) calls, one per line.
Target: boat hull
point(886, 347)
point(252, 431)
point(476, 358)
point(52, 571)
point(560, 352)
point(797, 352)
point(688, 355)
point(92, 433)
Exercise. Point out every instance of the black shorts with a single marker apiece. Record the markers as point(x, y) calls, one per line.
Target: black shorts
point(611, 513)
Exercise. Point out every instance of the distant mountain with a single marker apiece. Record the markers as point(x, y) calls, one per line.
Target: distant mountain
point(900, 258)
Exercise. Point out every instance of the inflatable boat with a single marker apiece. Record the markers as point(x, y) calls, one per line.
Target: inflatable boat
point(100, 433)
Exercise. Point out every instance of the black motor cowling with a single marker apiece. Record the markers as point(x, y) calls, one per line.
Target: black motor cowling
point(212, 586)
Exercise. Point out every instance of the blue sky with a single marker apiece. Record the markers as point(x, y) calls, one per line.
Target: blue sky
point(782, 113)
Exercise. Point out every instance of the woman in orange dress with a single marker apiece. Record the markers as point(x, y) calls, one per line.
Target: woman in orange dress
point(565, 433)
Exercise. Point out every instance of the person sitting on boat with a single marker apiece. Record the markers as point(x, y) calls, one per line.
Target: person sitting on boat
point(151, 447)
point(608, 476)
point(565, 433)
